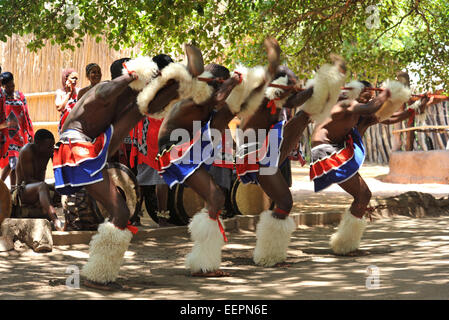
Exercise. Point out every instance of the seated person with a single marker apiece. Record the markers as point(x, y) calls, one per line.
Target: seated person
point(31, 187)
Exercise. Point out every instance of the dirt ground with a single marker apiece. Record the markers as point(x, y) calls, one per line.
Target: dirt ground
point(409, 258)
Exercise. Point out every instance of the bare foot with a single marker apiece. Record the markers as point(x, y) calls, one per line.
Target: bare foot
point(195, 63)
point(110, 286)
point(284, 265)
point(211, 274)
point(273, 53)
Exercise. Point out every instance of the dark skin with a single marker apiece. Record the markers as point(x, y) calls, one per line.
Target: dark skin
point(274, 185)
point(31, 168)
point(344, 116)
point(114, 102)
point(182, 115)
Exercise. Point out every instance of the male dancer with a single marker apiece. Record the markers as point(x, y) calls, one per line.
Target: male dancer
point(338, 153)
point(182, 163)
point(31, 167)
point(95, 128)
point(259, 162)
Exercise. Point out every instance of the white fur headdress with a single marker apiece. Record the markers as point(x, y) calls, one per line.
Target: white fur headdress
point(399, 95)
point(272, 93)
point(326, 85)
point(189, 87)
point(145, 68)
point(252, 78)
point(357, 88)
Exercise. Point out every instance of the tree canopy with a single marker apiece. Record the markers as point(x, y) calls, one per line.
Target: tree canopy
point(376, 37)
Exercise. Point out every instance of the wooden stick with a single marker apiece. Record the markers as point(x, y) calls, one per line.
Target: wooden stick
point(423, 128)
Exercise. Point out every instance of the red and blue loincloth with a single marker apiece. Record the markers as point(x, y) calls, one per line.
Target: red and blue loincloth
point(179, 160)
point(336, 163)
point(79, 160)
point(256, 158)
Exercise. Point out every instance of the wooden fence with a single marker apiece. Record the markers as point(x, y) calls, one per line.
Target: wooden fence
point(41, 71)
point(38, 74)
point(379, 139)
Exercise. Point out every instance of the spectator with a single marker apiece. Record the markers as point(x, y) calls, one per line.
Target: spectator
point(19, 126)
point(93, 73)
point(31, 188)
point(66, 97)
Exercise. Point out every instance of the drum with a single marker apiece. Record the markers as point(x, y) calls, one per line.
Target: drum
point(249, 199)
point(5, 202)
point(184, 203)
point(127, 184)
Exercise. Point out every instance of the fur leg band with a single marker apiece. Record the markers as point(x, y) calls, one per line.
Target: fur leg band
point(208, 242)
point(273, 237)
point(106, 252)
point(349, 233)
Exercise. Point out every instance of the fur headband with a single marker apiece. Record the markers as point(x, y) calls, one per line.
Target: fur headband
point(326, 85)
point(252, 78)
point(400, 94)
point(189, 87)
point(145, 68)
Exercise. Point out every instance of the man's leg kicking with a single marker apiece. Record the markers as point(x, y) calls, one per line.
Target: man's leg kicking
point(274, 229)
point(352, 225)
point(108, 246)
point(206, 228)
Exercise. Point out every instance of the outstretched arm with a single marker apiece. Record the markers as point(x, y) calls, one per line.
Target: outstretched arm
point(407, 113)
point(347, 107)
point(195, 63)
point(109, 91)
point(298, 98)
point(273, 53)
point(219, 97)
point(398, 116)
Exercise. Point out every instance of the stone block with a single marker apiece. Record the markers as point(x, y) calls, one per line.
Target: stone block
point(36, 233)
point(6, 244)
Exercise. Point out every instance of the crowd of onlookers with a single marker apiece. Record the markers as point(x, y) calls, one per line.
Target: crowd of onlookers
point(16, 126)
